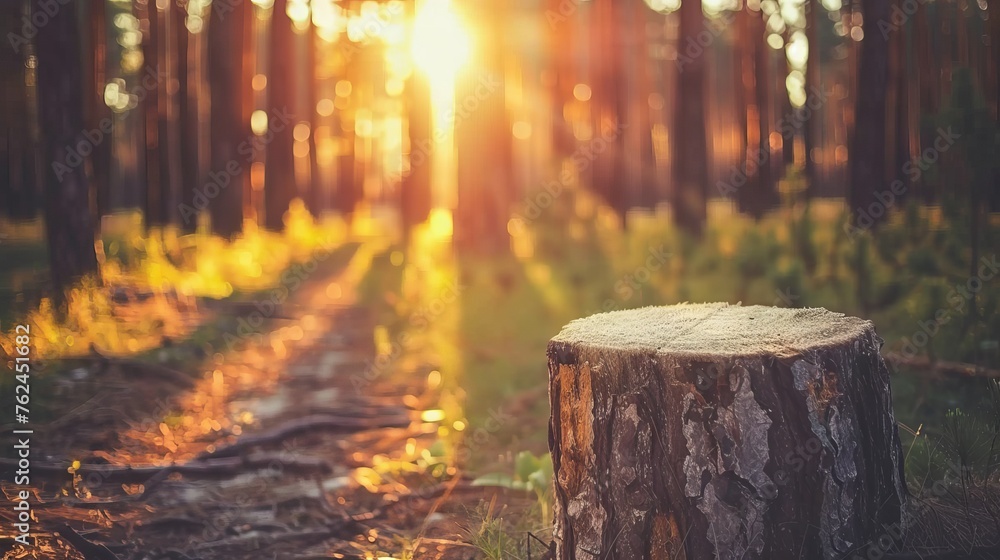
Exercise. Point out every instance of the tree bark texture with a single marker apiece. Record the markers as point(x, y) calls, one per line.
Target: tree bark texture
point(721, 432)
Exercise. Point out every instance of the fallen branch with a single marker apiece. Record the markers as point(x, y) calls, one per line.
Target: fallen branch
point(948, 368)
point(201, 467)
point(282, 433)
point(344, 424)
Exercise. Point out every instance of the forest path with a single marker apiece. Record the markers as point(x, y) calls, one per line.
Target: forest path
point(268, 454)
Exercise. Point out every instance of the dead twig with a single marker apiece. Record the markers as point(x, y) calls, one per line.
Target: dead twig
point(90, 550)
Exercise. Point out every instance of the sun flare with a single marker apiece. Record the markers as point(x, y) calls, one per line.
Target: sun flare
point(440, 44)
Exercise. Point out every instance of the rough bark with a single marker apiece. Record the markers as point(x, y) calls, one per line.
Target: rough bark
point(715, 431)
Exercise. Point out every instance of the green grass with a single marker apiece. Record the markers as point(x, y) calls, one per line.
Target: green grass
point(490, 344)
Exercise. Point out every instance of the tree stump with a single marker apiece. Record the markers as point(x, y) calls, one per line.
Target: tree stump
point(715, 431)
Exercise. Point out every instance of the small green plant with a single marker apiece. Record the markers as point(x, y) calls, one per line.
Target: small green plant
point(532, 474)
point(491, 536)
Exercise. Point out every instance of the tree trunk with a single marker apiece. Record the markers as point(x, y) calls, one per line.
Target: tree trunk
point(415, 190)
point(225, 47)
point(349, 186)
point(68, 221)
point(153, 210)
point(867, 151)
point(98, 113)
point(899, 118)
point(169, 125)
point(759, 194)
point(187, 110)
point(928, 95)
point(319, 191)
point(648, 178)
point(714, 431)
point(809, 126)
point(688, 137)
point(483, 139)
point(561, 32)
point(19, 192)
point(601, 80)
point(279, 174)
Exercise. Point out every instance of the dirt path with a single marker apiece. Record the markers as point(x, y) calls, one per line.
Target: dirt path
point(282, 447)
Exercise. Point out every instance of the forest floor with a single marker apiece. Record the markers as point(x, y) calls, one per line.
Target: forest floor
point(361, 417)
point(286, 444)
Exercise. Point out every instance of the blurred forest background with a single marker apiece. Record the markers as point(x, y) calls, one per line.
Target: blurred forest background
point(509, 166)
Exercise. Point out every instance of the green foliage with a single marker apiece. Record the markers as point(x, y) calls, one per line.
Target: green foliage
point(963, 450)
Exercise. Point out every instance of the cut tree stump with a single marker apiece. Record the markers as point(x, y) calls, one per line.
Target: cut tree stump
point(715, 431)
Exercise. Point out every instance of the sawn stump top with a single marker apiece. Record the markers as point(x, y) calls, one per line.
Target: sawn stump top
point(714, 330)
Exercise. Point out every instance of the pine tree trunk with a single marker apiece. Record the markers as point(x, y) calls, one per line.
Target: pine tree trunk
point(483, 139)
point(153, 210)
point(349, 186)
point(187, 111)
point(809, 126)
point(689, 157)
point(714, 431)
point(867, 150)
point(98, 113)
point(759, 193)
point(169, 126)
point(19, 192)
point(320, 193)
point(68, 220)
point(225, 71)
point(279, 174)
point(415, 190)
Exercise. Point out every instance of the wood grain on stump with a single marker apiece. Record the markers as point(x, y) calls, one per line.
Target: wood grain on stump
point(715, 431)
